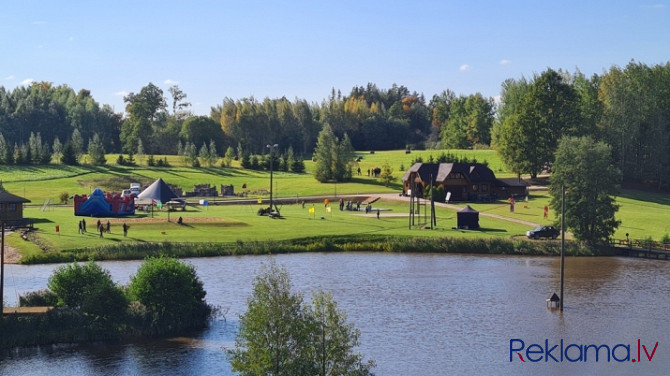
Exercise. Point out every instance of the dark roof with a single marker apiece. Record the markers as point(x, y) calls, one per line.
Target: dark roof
point(8, 198)
point(158, 191)
point(424, 170)
point(468, 209)
point(512, 182)
point(473, 172)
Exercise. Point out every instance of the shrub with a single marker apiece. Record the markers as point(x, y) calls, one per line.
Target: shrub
point(89, 288)
point(172, 293)
point(39, 298)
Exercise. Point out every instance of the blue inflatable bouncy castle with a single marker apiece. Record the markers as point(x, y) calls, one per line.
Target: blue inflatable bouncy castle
point(100, 205)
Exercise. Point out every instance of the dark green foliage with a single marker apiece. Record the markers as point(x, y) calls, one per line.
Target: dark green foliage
point(254, 164)
point(386, 175)
point(348, 243)
point(60, 325)
point(96, 151)
point(69, 156)
point(334, 158)
point(163, 163)
point(171, 300)
point(298, 166)
point(39, 298)
point(438, 195)
point(547, 110)
point(469, 122)
point(122, 161)
point(172, 294)
point(89, 288)
point(583, 166)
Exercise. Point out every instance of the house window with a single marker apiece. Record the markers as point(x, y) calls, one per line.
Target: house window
point(475, 187)
point(485, 188)
point(12, 207)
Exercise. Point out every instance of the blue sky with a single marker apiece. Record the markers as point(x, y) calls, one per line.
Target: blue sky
point(303, 49)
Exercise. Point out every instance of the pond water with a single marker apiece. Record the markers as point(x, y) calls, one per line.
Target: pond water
point(419, 314)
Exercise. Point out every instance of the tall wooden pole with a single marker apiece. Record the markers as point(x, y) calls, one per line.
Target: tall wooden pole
point(562, 244)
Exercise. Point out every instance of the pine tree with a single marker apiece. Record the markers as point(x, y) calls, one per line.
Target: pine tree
point(69, 156)
point(326, 143)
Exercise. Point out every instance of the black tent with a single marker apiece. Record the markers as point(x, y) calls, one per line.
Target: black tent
point(467, 218)
point(158, 191)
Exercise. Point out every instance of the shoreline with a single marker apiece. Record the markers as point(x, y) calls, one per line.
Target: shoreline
point(12, 256)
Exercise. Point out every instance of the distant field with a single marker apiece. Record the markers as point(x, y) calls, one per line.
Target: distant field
point(39, 183)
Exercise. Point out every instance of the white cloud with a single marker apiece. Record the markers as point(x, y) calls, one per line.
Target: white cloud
point(170, 82)
point(121, 93)
point(505, 62)
point(464, 68)
point(27, 81)
point(10, 77)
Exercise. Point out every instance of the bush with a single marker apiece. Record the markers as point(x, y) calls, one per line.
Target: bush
point(172, 293)
point(39, 298)
point(90, 289)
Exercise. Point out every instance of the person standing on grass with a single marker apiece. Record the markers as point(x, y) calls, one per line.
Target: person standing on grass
point(109, 227)
point(125, 229)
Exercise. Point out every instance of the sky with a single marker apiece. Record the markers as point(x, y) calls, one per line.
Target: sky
point(303, 49)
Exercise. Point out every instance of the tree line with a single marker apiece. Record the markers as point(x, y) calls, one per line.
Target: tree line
point(627, 108)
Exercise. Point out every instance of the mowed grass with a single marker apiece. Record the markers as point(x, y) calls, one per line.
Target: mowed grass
point(643, 214)
point(234, 223)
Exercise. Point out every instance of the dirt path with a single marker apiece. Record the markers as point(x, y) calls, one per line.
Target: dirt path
point(396, 197)
point(11, 255)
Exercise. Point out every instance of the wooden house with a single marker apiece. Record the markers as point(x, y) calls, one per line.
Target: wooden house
point(464, 181)
point(11, 210)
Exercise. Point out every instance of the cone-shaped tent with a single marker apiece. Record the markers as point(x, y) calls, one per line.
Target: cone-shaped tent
point(158, 191)
point(467, 218)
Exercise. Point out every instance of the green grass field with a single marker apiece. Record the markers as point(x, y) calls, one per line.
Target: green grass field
point(232, 223)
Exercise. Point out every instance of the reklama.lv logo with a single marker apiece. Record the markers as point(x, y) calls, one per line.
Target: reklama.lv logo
point(573, 352)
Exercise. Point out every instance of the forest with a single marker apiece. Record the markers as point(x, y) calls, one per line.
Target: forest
point(627, 108)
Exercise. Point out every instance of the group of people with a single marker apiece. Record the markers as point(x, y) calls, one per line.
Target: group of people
point(101, 228)
point(350, 205)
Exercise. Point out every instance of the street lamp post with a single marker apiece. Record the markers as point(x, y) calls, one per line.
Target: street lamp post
point(271, 147)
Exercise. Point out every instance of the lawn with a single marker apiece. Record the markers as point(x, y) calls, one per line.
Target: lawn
point(232, 223)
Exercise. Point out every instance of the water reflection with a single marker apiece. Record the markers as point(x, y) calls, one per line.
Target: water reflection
point(419, 313)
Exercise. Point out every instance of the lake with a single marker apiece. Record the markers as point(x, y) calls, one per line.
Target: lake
point(419, 314)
